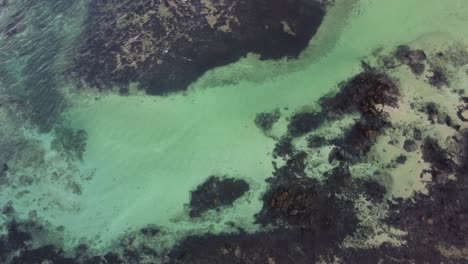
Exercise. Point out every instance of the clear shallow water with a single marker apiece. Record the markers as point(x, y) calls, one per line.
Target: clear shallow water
point(145, 154)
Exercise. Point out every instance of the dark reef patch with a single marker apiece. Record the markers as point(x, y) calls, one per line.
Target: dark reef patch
point(438, 77)
point(364, 93)
point(438, 220)
point(215, 193)
point(462, 111)
point(283, 148)
point(303, 123)
point(265, 121)
point(308, 220)
point(45, 254)
point(413, 58)
point(305, 204)
point(358, 141)
point(435, 115)
point(167, 45)
point(279, 246)
point(441, 163)
point(410, 145)
point(70, 143)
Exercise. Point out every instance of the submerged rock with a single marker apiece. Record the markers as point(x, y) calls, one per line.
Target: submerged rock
point(215, 193)
point(265, 121)
point(303, 123)
point(283, 148)
point(462, 111)
point(307, 219)
point(441, 163)
point(413, 58)
point(410, 145)
point(307, 205)
point(167, 45)
point(364, 93)
point(45, 254)
point(439, 77)
point(3, 170)
point(69, 142)
point(437, 220)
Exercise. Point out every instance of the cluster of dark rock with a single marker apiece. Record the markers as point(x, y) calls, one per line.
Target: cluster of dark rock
point(265, 121)
point(167, 45)
point(438, 219)
point(308, 219)
point(462, 111)
point(70, 143)
point(413, 58)
point(215, 193)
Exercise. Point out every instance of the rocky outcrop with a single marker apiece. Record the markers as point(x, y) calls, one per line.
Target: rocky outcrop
point(215, 193)
point(166, 45)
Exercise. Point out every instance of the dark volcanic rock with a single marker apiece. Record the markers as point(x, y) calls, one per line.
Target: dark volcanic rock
point(265, 121)
point(441, 163)
point(150, 231)
point(70, 143)
point(17, 238)
point(303, 123)
point(413, 58)
point(410, 145)
point(278, 246)
point(165, 45)
point(462, 111)
point(363, 93)
point(435, 115)
point(46, 254)
point(358, 141)
point(294, 168)
point(366, 93)
point(439, 77)
point(440, 218)
point(314, 141)
point(309, 221)
point(283, 148)
point(294, 201)
point(417, 134)
point(215, 193)
point(401, 159)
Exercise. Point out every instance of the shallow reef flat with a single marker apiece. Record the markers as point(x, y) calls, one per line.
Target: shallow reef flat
point(359, 157)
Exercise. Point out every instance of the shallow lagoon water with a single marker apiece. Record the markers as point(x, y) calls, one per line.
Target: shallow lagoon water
point(157, 149)
point(145, 154)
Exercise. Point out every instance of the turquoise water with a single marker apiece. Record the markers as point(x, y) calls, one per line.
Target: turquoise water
point(145, 154)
